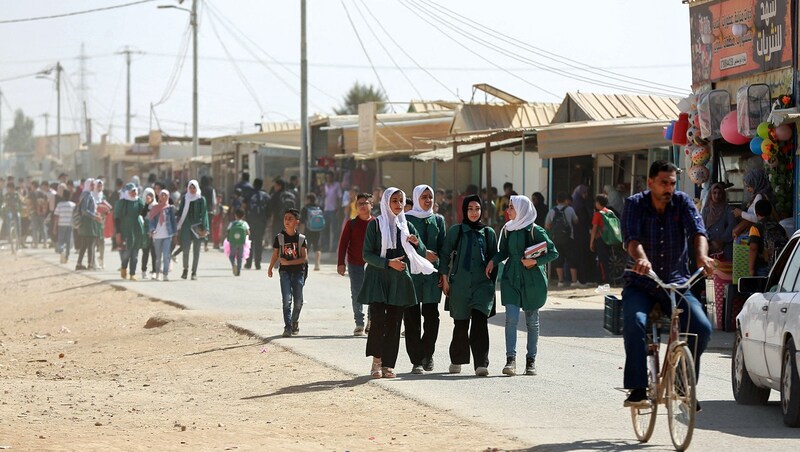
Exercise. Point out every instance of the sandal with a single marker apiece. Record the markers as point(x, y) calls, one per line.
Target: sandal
point(375, 370)
point(388, 372)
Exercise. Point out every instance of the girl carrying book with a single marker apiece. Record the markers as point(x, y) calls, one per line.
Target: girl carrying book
point(523, 285)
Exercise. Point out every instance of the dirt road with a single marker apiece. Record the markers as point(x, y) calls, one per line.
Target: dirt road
point(81, 370)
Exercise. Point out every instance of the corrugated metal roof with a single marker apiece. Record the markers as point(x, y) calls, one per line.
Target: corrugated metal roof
point(599, 107)
point(483, 117)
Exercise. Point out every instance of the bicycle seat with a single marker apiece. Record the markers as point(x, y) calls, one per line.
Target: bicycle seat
point(658, 317)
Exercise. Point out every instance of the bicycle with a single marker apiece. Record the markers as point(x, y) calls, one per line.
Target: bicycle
point(673, 383)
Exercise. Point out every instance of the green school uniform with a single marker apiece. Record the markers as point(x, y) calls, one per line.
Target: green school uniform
point(469, 287)
point(432, 233)
point(519, 286)
point(197, 214)
point(128, 218)
point(89, 226)
point(383, 284)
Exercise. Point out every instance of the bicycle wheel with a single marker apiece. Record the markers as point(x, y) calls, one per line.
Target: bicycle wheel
point(644, 418)
point(681, 399)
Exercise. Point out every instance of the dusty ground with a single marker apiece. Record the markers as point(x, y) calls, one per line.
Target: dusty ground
point(79, 371)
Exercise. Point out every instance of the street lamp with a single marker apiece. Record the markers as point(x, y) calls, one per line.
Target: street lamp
point(193, 21)
point(44, 74)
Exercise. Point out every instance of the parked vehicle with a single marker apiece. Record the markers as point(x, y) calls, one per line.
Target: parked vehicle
point(765, 352)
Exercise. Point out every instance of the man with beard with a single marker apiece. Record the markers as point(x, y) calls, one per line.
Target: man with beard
point(657, 225)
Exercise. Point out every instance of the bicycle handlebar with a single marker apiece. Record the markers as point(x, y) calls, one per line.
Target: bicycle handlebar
point(672, 286)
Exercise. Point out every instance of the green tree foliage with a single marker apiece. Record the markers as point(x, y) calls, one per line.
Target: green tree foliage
point(19, 137)
point(360, 94)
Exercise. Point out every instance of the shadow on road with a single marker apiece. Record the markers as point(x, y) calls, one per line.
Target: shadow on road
point(600, 444)
point(314, 387)
point(557, 322)
point(754, 421)
point(82, 286)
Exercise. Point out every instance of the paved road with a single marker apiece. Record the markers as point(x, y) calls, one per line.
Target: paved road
point(573, 404)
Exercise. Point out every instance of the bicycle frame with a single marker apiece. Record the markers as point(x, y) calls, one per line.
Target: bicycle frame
point(659, 379)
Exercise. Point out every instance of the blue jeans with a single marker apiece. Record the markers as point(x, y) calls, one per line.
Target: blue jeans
point(531, 321)
point(291, 290)
point(356, 273)
point(129, 256)
point(64, 240)
point(636, 305)
point(162, 247)
point(236, 256)
point(329, 235)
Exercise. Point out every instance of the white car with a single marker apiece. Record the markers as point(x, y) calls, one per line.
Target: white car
point(765, 352)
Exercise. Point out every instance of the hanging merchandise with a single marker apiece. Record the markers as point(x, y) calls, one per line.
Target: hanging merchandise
point(698, 174)
point(668, 131)
point(712, 108)
point(783, 132)
point(680, 129)
point(755, 145)
point(753, 106)
point(700, 155)
point(729, 130)
point(763, 130)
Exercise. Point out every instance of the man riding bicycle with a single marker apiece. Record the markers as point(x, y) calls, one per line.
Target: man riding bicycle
point(656, 227)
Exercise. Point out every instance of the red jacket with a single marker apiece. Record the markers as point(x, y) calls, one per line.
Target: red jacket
point(351, 243)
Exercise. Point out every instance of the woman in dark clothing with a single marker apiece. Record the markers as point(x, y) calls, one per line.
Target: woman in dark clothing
point(148, 250)
point(580, 232)
point(192, 226)
point(541, 208)
point(471, 294)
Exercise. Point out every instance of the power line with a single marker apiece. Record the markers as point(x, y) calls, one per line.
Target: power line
point(417, 65)
point(177, 68)
point(75, 13)
point(388, 53)
point(528, 82)
point(547, 54)
point(358, 36)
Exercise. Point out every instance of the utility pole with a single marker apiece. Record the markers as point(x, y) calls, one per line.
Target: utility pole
point(127, 52)
point(46, 117)
point(58, 110)
point(82, 88)
point(195, 139)
point(305, 180)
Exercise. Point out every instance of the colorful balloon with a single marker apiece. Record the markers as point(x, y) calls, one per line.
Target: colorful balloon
point(783, 132)
point(766, 147)
point(763, 130)
point(755, 145)
point(729, 130)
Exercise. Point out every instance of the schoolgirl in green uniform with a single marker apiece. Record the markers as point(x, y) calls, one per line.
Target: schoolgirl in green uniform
point(421, 339)
point(524, 281)
point(470, 291)
point(392, 252)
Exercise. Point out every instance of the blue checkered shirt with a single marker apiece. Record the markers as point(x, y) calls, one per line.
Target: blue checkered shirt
point(664, 237)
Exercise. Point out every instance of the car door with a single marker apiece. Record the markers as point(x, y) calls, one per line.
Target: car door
point(777, 313)
point(753, 319)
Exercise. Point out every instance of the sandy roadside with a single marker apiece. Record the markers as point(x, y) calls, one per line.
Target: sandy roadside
point(79, 371)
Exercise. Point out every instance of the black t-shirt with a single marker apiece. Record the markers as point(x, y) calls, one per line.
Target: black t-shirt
point(290, 250)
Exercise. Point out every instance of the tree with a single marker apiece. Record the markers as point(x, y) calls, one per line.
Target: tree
point(360, 94)
point(20, 136)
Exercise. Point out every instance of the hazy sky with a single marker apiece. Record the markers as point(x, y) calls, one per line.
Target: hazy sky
point(646, 40)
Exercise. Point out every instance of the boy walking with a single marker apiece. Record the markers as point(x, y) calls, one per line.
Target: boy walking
point(767, 239)
point(63, 212)
point(238, 230)
point(290, 250)
point(351, 245)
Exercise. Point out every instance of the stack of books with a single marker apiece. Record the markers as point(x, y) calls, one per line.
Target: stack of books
point(535, 251)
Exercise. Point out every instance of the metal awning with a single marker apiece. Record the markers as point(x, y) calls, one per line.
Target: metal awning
point(466, 150)
point(600, 137)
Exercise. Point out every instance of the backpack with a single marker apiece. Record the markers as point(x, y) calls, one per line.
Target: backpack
point(287, 200)
point(612, 234)
point(316, 220)
point(560, 230)
point(77, 216)
point(774, 239)
point(237, 234)
point(300, 240)
point(257, 204)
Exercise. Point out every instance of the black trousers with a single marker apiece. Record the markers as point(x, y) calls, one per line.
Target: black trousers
point(86, 246)
point(149, 255)
point(419, 344)
point(474, 337)
point(257, 243)
point(384, 334)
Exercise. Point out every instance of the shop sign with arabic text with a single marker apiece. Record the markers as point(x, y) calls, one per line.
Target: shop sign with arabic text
point(738, 37)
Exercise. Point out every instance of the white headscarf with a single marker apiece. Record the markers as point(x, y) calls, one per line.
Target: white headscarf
point(389, 224)
point(125, 193)
point(87, 188)
point(526, 213)
point(417, 211)
point(152, 193)
point(188, 199)
point(97, 193)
